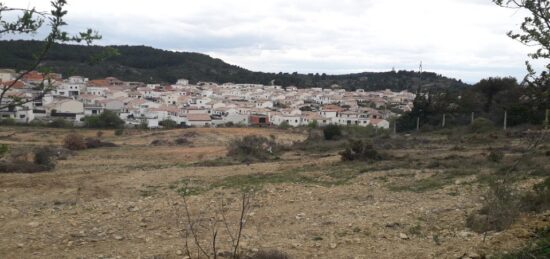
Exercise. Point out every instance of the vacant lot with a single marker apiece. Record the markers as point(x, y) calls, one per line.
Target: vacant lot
point(125, 201)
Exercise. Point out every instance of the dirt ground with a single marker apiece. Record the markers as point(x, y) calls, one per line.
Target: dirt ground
point(123, 202)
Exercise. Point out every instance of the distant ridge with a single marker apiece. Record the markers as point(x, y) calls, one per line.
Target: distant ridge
point(146, 64)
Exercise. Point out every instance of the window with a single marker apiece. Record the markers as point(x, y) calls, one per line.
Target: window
point(22, 116)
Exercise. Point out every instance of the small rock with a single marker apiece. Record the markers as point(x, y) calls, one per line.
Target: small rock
point(333, 245)
point(20, 245)
point(117, 237)
point(465, 234)
point(33, 224)
point(403, 236)
point(179, 252)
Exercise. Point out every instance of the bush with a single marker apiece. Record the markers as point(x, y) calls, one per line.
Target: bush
point(253, 148)
point(4, 149)
point(313, 125)
point(495, 156)
point(359, 150)
point(182, 141)
point(332, 132)
point(60, 123)
point(107, 120)
point(97, 143)
point(499, 211)
point(270, 254)
point(45, 157)
point(482, 125)
point(168, 124)
point(7, 122)
point(119, 132)
point(539, 199)
point(284, 125)
point(74, 141)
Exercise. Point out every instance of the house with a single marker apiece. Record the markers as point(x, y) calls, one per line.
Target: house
point(384, 124)
point(7, 75)
point(259, 120)
point(20, 114)
point(199, 120)
point(65, 106)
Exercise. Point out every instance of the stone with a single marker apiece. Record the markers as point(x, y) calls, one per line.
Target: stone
point(403, 236)
point(179, 252)
point(33, 224)
point(333, 245)
point(465, 234)
point(118, 237)
point(300, 216)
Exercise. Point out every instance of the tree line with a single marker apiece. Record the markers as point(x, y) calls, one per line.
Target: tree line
point(146, 64)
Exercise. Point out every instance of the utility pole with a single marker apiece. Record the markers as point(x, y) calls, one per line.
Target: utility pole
point(417, 123)
point(505, 119)
point(443, 122)
point(472, 119)
point(394, 127)
point(546, 122)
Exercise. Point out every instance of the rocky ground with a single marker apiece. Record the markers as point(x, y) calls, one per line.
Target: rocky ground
point(124, 202)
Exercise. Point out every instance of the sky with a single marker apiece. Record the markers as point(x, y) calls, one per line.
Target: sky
point(463, 39)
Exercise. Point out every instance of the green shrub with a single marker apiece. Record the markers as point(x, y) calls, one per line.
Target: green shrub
point(482, 125)
point(359, 150)
point(285, 125)
point(119, 132)
point(332, 132)
point(60, 123)
point(495, 156)
point(4, 149)
point(253, 148)
point(106, 120)
point(45, 157)
point(168, 124)
point(539, 199)
point(313, 125)
point(7, 122)
point(500, 209)
point(74, 141)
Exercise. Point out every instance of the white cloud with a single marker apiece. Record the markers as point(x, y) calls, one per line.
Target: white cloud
point(460, 38)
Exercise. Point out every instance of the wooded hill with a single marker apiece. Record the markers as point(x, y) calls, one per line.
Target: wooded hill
point(146, 64)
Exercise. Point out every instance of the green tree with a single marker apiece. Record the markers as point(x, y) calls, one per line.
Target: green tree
point(29, 21)
point(107, 120)
point(168, 124)
point(535, 32)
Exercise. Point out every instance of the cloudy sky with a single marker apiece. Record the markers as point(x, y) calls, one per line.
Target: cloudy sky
point(465, 39)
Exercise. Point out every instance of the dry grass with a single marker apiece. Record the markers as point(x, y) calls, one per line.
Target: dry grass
point(306, 205)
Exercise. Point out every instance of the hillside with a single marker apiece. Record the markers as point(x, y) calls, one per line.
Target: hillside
point(141, 63)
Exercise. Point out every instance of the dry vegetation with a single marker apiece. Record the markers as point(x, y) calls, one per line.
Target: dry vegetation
point(417, 200)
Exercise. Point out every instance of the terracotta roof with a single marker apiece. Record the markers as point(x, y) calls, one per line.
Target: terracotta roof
point(198, 117)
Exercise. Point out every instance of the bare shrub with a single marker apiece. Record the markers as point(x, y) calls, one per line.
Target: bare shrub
point(74, 141)
point(500, 209)
point(211, 225)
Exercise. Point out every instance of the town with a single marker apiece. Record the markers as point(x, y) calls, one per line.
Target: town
point(203, 104)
